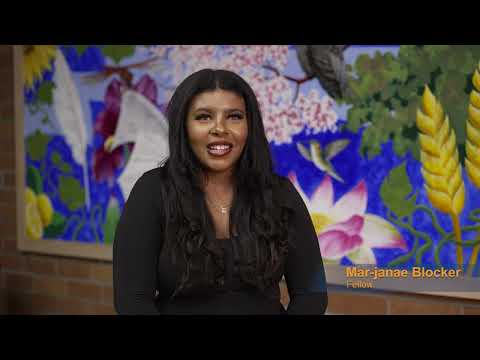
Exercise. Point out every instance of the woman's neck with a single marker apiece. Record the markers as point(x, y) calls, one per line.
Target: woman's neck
point(219, 181)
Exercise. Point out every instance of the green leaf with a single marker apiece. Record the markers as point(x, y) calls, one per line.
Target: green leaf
point(56, 158)
point(34, 180)
point(45, 93)
point(65, 167)
point(55, 229)
point(81, 49)
point(118, 52)
point(394, 191)
point(37, 145)
point(60, 164)
point(396, 82)
point(111, 221)
point(71, 193)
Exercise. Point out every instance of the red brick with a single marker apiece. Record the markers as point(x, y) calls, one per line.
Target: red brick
point(3, 301)
point(8, 229)
point(7, 160)
point(75, 307)
point(107, 295)
point(467, 310)
point(7, 144)
point(355, 304)
point(6, 57)
point(102, 273)
point(42, 265)
point(9, 244)
point(101, 309)
point(84, 291)
point(49, 286)
point(6, 52)
point(8, 196)
point(7, 131)
point(6, 100)
point(408, 306)
point(9, 179)
point(8, 214)
point(7, 111)
point(75, 269)
point(12, 262)
point(43, 304)
point(6, 88)
point(19, 303)
point(18, 282)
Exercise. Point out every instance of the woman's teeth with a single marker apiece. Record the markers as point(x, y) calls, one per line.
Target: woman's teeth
point(219, 150)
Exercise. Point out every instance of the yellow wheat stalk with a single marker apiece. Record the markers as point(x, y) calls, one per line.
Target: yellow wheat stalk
point(472, 161)
point(441, 167)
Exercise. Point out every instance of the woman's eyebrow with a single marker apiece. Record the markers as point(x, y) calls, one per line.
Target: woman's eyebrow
point(227, 110)
point(203, 109)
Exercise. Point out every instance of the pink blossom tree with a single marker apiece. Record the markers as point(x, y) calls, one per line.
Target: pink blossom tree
point(286, 110)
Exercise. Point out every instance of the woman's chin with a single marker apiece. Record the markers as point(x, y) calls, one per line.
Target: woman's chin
point(218, 166)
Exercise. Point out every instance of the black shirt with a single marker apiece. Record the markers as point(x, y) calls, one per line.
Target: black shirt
point(144, 279)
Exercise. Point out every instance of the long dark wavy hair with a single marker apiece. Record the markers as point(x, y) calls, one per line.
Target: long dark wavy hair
point(258, 225)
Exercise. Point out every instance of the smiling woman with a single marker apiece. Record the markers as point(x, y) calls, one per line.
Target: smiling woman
point(214, 230)
point(217, 129)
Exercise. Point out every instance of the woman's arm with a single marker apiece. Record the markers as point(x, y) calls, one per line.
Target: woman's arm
point(304, 272)
point(136, 248)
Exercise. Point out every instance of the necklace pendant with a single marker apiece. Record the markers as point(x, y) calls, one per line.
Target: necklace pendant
point(224, 210)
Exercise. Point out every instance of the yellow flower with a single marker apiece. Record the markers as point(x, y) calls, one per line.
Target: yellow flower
point(30, 196)
point(441, 168)
point(45, 208)
point(34, 221)
point(38, 213)
point(36, 59)
point(472, 161)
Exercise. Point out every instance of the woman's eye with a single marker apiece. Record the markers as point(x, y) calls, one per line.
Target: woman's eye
point(236, 116)
point(202, 117)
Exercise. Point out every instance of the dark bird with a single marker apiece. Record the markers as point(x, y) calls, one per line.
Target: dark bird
point(326, 63)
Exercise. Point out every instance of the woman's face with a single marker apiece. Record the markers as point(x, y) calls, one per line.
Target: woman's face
point(217, 129)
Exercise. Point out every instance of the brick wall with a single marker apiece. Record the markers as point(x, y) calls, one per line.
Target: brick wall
point(38, 284)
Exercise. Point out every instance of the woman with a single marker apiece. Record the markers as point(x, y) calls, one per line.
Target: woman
point(214, 229)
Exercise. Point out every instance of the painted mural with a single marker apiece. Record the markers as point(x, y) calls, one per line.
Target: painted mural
point(382, 142)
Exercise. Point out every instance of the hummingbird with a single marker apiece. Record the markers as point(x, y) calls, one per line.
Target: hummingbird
point(322, 157)
point(327, 64)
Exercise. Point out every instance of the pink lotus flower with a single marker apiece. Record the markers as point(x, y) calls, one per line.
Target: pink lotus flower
point(105, 163)
point(344, 228)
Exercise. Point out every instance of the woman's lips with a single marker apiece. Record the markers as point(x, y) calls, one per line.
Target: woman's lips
point(222, 149)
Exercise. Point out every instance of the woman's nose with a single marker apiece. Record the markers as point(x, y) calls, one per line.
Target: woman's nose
point(219, 125)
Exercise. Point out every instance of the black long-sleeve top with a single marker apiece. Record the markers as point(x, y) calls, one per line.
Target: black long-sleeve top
point(144, 278)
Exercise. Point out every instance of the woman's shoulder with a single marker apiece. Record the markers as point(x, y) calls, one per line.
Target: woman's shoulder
point(149, 181)
point(149, 177)
point(284, 191)
point(155, 173)
point(287, 194)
